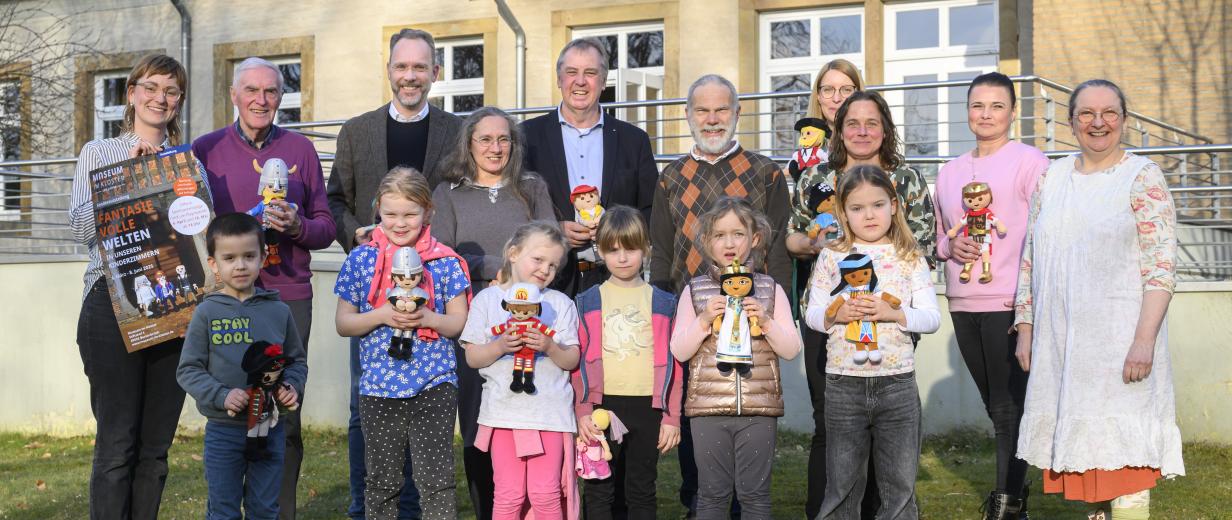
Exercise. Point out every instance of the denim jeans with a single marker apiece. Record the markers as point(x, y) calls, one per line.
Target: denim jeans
point(136, 403)
point(882, 412)
point(231, 479)
point(408, 507)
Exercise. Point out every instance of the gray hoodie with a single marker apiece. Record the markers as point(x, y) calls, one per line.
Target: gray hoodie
point(222, 327)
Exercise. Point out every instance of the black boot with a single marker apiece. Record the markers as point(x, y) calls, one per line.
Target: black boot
point(516, 385)
point(395, 347)
point(996, 506)
point(1021, 502)
point(528, 382)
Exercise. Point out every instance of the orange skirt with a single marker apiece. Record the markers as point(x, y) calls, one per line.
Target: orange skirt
point(1099, 485)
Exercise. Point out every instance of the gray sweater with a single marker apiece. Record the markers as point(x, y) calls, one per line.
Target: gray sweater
point(477, 226)
point(221, 329)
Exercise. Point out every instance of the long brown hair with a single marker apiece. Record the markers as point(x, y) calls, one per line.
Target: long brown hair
point(158, 65)
point(753, 220)
point(904, 242)
point(847, 68)
point(889, 155)
point(460, 164)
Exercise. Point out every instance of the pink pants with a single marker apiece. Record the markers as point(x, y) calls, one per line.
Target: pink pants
point(536, 477)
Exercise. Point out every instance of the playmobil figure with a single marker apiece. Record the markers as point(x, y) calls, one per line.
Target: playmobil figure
point(821, 199)
point(406, 296)
point(813, 134)
point(185, 288)
point(272, 186)
point(264, 363)
point(859, 280)
point(978, 223)
point(165, 292)
point(585, 199)
point(735, 329)
point(524, 303)
point(145, 294)
point(593, 457)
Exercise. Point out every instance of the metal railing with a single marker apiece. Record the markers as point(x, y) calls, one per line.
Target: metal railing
point(36, 192)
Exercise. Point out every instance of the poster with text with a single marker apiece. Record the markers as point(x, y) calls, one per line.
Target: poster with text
point(151, 213)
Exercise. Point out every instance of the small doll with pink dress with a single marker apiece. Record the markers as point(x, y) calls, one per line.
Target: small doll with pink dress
point(593, 456)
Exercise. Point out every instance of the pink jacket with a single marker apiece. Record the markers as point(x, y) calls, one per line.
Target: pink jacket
point(588, 376)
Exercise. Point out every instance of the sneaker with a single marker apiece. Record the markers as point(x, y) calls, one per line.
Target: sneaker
point(860, 357)
point(874, 357)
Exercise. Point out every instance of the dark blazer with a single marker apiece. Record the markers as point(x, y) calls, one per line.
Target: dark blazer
point(629, 171)
point(360, 164)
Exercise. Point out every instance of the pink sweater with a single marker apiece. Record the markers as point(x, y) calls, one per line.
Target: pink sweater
point(1011, 173)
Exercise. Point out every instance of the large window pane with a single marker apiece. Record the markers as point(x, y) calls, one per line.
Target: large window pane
point(288, 115)
point(787, 111)
point(789, 39)
point(645, 49)
point(961, 139)
point(917, 29)
point(10, 138)
point(613, 51)
point(920, 121)
point(114, 93)
point(972, 25)
point(467, 61)
point(440, 60)
point(290, 77)
point(467, 103)
point(840, 35)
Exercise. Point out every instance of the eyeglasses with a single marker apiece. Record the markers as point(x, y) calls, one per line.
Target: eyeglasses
point(1086, 116)
point(486, 141)
point(828, 91)
point(151, 89)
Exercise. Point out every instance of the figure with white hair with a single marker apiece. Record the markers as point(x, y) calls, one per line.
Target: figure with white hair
point(295, 210)
point(716, 167)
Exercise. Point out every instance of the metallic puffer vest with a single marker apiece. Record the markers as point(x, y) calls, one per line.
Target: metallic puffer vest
point(710, 392)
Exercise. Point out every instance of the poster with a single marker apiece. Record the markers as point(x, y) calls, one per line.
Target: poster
point(151, 213)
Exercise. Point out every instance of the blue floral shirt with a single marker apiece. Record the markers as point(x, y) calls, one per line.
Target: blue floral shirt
point(433, 362)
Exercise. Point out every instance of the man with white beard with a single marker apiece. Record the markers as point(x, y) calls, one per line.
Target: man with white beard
point(716, 167)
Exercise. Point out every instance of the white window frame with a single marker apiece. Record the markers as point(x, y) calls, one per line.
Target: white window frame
point(943, 48)
point(809, 65)
point(446, 88)
point(290, 100)
point(647, 82)
point(106, 113)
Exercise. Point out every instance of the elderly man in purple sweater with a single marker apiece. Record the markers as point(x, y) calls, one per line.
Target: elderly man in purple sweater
point(233, 157)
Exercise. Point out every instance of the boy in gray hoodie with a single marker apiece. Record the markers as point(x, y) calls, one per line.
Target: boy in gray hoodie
point(211, 369)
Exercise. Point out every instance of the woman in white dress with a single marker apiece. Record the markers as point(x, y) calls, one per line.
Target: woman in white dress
point(1096, 278)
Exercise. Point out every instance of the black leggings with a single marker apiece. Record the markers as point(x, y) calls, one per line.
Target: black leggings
point(987, 348)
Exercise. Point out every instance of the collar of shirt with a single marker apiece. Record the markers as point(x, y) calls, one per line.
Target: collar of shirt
point(270, 135)
point(394, 113)
point(730, 150)
point(132, 139)
point(470, 183)
point(582, 131)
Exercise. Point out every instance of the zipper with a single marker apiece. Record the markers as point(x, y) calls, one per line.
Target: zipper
point(582, 362)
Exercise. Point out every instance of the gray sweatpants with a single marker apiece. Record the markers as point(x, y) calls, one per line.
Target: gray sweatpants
point(733, 452)
point(425, 423)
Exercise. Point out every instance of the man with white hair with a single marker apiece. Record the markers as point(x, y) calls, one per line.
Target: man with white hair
point(234, 157)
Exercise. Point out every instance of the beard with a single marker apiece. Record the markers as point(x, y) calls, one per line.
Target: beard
point(410, 100)
point(713, 145)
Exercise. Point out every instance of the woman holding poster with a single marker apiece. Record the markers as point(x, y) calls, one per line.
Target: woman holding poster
point(134, 396)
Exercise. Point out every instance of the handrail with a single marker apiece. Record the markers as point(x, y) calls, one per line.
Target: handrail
point(1054, 154)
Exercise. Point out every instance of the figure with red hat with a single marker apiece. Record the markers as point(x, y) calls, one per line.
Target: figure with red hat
point(585, 199)
point(524, 302)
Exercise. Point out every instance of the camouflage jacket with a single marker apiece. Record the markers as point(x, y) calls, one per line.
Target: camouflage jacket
point(912, 193)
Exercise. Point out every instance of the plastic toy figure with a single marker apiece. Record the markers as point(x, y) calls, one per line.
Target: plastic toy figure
point(735, 329)
point(273, 186)
point(184, 286)
point(524, 303)
point(585, 199)
point(406, 296)
point(264, 363)
point(813, 133)
point(821, 199)
point(165, 293)
point(145, 294)
point(593, 457)
point(978, 223)
point(859, 280)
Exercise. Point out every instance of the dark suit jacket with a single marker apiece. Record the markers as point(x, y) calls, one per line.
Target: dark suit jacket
point(360, 164)
point(629, 171)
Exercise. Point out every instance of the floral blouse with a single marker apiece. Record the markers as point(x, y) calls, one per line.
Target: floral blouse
point(1151, 203)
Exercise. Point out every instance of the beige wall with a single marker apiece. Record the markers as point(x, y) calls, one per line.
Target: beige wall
point(1173, 58)
point(44, 389)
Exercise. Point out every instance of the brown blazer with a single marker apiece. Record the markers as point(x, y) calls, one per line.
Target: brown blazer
point(360, 164)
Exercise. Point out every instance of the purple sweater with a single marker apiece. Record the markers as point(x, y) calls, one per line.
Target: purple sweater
point(228, 162)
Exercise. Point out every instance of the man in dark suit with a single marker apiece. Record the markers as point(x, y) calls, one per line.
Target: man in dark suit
point(406, 132)
point(578, 144)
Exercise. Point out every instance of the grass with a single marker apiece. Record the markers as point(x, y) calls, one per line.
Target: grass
point(46, 478)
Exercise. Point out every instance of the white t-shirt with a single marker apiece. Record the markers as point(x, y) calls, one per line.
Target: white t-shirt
point(551, 407)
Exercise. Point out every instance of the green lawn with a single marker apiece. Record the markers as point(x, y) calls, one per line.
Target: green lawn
point(45, 478)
